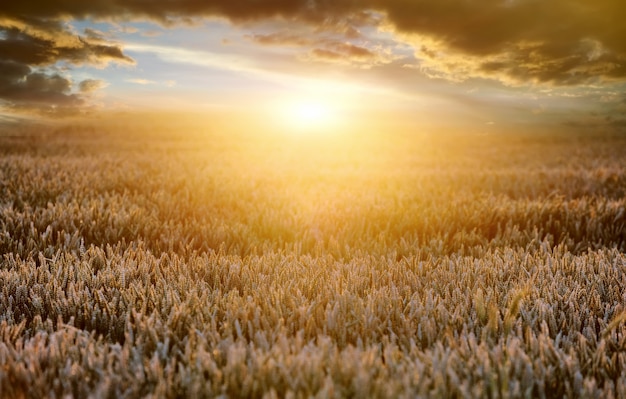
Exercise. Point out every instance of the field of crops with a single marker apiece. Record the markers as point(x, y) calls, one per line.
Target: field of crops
point(194, 263)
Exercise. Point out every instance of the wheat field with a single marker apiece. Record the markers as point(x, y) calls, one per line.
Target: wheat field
point(182, 263)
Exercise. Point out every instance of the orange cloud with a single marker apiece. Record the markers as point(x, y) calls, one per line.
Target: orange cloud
point(327, 48)
point(560, 42)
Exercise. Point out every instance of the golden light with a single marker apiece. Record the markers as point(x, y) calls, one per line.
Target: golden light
point(310, 115)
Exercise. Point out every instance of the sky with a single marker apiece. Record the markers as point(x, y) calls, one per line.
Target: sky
point(481, 65)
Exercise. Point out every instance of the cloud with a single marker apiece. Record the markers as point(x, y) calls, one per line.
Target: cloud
point(523, 63)
point(164, 11)
point(32, 47)
point(142, 81)
point(94, 34)
point(179, 55)
point(151, 33)
point(281, 39)
point(18, 83)
point(517, 42)
point(25, 90)
point(561, 42)
point(350, 51)
point(145, 82)
point(326, 47)
point(346, 53)
point(45, 42)
point(251, 67)
point(91, 85)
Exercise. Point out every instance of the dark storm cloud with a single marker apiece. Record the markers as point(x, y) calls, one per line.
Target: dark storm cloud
point(28, 43)
point(19, 85)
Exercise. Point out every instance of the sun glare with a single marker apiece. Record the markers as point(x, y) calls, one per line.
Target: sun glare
point(310, 115)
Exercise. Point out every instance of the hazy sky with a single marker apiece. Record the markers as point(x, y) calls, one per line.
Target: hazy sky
point(484, 64)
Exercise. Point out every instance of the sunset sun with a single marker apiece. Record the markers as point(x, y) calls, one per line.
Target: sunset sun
point(309, 115)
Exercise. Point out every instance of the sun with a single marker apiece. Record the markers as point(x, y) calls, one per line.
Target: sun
point(310, 115)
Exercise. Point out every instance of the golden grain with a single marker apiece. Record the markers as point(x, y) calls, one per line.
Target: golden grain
point(261, 266)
